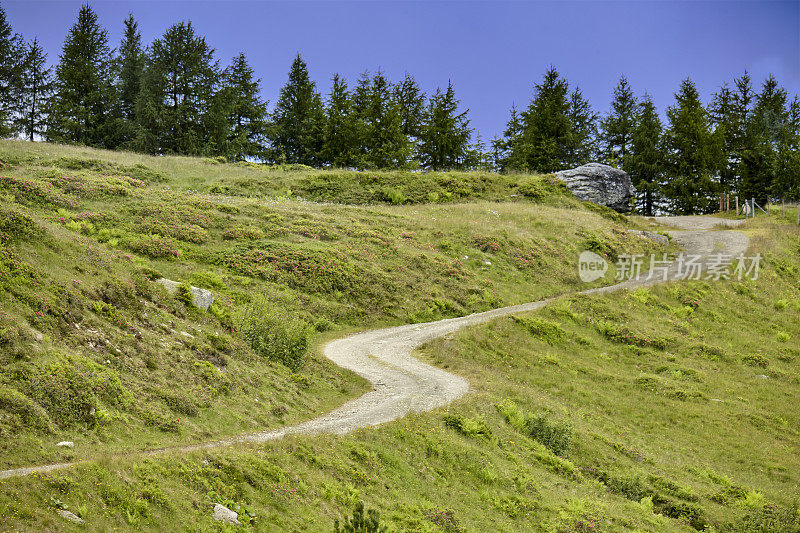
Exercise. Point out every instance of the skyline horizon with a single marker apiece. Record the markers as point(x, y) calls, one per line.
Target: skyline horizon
point(488, 113)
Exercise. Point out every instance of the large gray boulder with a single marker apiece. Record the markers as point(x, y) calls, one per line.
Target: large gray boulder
point(201, 298)
point(225, 515)
point(600, 184)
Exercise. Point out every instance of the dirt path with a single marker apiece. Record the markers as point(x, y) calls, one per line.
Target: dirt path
point(403, 384)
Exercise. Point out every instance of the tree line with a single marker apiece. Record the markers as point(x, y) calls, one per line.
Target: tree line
point(174, 97)
point(744, 142)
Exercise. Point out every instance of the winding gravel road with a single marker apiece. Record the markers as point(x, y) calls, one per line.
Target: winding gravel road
point(403, 384)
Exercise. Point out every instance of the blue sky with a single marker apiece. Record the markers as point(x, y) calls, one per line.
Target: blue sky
point(492, 51)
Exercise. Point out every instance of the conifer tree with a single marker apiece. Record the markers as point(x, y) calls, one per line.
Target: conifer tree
point(694, 154)
point(129, 67)
point(298, 119)
point(506, 152)
point(12, 51)
point(411, 103)
point(645, 157)
point(379, 124)
point(582, 140)
point(341, 140)
point(81, 108)
point(445, 136)
point(546, 127)
point(174, 108)
point(617, 126)
point(767, 130)
point(243, 114)
point(725, 119)
point(37, 86)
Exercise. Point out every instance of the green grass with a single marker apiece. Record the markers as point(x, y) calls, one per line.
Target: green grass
point(94, 352)
point(86, 231)
point(643, 442)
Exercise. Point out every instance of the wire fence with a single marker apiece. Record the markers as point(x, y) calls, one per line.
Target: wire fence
point(748, 207)
point(785, 210)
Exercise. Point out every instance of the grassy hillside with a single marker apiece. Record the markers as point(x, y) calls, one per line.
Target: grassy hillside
point(686, 423)
point(94, 352)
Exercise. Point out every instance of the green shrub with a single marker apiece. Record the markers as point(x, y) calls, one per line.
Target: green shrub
point(222, 314)
point(768, 519)
point(179, 402)
point(18, 226)
point(71, 389)
point(154, 246)
point(362, 521)
point(624, 335)
point(755, 359)
point(75, 163)
point(28, 413)
point(542, 329)
point(555, 436)
point(185, 295)
point(142, 172)
point(395, 196)
point(631, 487)
point(470, 427)
point(532, 187)
point(600, 246)
point(274, 334)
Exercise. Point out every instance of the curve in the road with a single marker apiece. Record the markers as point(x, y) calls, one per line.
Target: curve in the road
point(403, 384)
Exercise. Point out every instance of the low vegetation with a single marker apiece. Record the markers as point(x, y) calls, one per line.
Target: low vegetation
point(660, 409)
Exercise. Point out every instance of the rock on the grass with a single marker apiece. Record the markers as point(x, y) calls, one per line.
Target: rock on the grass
point(655, 237)
point(70, 516)
point(201, 298)
point(225, 515)
point(66, 444)
point(600, 184)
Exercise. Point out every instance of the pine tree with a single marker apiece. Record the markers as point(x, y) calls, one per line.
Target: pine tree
point(81, 108)
point(445, 136)
point(767, 131)
point(788, 156)
point(12, 51)
point(379, 124)
point(37, 86)
point(725, 119)
point(129, 66)
point(617, 126)
point(411, 103)
point(582, 140)
point(645, 158)
point(340, 135)
point(506, 152)
point(175, 104)
point(298, 119)
point(243, 120)
point(694, 154)
point(546, 127)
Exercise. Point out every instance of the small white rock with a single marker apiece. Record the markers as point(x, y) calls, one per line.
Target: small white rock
point(66, 444)
point(225, 515)
point(71, 517)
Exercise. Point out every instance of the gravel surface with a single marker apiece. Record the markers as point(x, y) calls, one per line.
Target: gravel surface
point(403, 384)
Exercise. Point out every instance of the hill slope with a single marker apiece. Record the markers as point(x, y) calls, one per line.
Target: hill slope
point(477, 468)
